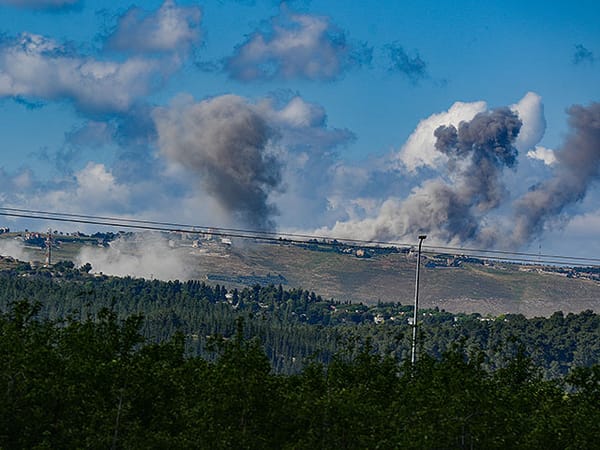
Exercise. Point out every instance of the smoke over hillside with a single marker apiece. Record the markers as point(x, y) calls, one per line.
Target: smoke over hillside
point(224, 141)
point(145, 256)
point(450, 207)
point(466, 199)
point(14, 249)
point(577, 166)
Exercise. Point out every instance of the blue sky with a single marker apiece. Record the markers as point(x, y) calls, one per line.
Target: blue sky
point(310, 116)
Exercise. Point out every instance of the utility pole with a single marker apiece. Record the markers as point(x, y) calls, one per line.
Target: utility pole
point(413, 352)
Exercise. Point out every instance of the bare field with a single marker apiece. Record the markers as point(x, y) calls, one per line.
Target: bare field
point(471, 288)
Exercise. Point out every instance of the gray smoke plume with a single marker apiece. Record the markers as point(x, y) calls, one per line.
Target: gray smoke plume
point(440, 210)
point(478, 151)
point(224, 141)
point(577, 166)
point(452, 208)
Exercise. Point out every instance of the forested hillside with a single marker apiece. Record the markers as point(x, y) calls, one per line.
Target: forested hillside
point(95, 384)
point(293, 325)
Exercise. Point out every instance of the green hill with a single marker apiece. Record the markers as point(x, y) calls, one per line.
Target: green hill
point(446, 282)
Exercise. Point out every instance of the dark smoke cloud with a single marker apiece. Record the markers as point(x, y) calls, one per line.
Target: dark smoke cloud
point(441, 209)
point(415, 68)
point(577, 166)
point(224, 141)
point(452, 208)
point(490, 136)
point(478, 151)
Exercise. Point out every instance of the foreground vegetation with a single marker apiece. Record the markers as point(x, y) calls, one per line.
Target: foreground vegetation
point(102, 362)
point(96, 384)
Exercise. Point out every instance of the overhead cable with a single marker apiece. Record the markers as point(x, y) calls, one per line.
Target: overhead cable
point(296, 238)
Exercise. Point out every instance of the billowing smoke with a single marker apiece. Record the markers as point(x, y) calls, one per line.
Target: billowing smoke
point(452, 209)
point(478, 151)
point(224, 140)
point(419, 150)
point(577, 166)
point(14, 249)
point(145, 256)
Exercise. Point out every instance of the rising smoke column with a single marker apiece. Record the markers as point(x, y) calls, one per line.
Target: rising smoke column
point(577, 166)
point(452, 207)
point(224, 140)
point(477, 153)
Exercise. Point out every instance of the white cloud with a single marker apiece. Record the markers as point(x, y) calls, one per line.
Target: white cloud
point(97, 185)
point(171, 28)
point(302, 125)
point(21, 180)
point(308, 148)
point(37, 67)
point(294, 46)
point(419, 150)
point(92, 190)
point(531, 112)
point(297, 113)
point(543, 154)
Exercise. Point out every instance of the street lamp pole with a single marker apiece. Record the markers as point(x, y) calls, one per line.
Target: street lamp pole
point(413, 352)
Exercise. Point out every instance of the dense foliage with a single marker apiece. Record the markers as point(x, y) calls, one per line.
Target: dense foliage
point(295, 324)
point(95, 384)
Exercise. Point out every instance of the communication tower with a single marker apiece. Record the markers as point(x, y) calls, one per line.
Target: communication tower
point(49, 248)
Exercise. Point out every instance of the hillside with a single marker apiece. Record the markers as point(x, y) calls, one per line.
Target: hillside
point(469, 286)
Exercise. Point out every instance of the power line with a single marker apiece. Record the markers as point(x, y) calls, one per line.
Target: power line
point(517, 259)
point(196, 228)
point(295, 238)
point(271, 236)
point(506, 252)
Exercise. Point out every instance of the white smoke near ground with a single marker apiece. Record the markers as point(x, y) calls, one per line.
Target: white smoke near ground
point(146, 256)
point(13, 248)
